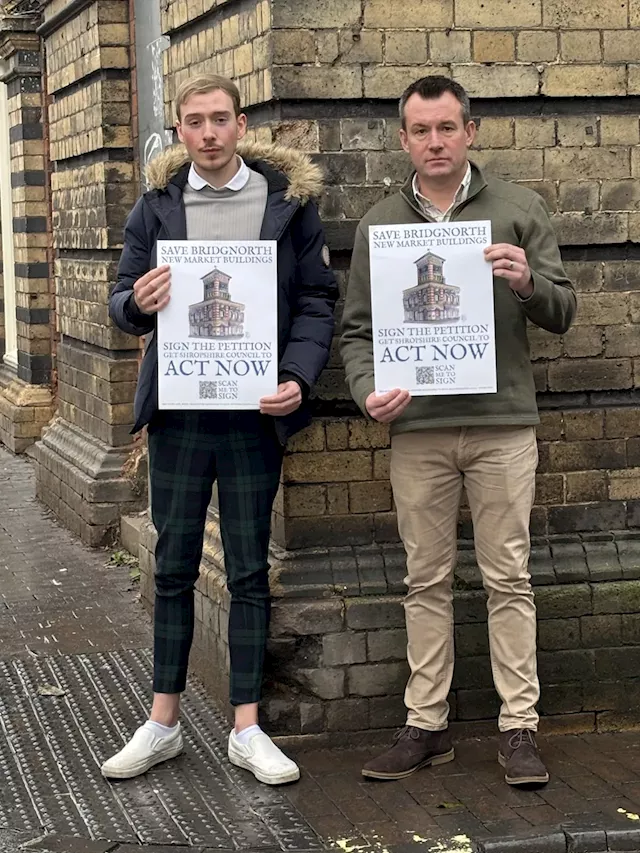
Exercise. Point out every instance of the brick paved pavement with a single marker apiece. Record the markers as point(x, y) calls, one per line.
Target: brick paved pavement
point(68, 621)
point(594, 776)
point(56, 596)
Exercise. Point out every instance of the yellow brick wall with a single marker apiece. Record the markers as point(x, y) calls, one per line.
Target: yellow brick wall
point(94, 117)
point(371, 48)
point(92, 187)
point(96, 38)
point(233, 43)
point(340, 66)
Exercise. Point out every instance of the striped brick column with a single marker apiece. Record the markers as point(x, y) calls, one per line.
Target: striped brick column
point(25, 388)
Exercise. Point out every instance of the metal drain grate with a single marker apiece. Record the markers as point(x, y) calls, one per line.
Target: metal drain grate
point(51, 749)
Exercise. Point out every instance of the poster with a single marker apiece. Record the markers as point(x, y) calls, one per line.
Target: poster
point(432, 308)
point(218, 336)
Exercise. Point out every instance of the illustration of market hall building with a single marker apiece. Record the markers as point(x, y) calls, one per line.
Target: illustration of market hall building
point(432, 299)
point(216, 316)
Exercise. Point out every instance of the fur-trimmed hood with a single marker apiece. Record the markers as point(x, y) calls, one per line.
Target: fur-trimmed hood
point(304, 176)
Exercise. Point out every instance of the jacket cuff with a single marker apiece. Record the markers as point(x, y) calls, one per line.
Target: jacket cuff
point(541, 292)
point(291, 377)
point(525, 299)
point(135, 316)
point(361, 392)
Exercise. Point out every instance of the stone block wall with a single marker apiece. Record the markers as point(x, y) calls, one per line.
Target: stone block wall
point(555, 97)
point(86, 461)
point(335, 486)
point(25, 395)
point(554, 86)
point(336, 657)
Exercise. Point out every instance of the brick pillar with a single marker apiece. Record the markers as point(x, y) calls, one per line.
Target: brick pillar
point(326, 78)
point(25, 394)
point(2, 309)
point(86, 459)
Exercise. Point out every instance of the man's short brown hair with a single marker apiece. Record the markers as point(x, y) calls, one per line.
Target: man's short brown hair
point(207, 83)
point(433, 87)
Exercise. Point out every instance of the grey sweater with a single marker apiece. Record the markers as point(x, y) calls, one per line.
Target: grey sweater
point(226, 214)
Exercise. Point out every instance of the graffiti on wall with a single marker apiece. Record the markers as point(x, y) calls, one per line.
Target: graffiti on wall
point(150, 45)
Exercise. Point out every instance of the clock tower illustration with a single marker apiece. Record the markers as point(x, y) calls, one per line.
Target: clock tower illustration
point(217, 316)
point(432, 299)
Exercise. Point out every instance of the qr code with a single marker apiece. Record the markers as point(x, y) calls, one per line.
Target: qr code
point(208, 390)
point(425, 376)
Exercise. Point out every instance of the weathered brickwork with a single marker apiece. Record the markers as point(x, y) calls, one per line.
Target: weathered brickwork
point(90, 205)
point(95, 117)
point(338, 641)
point(31, 234)
point(94, 40)
point(334, 71)
point(87, 469)
point(234, 43)
point(366, 49)
point(25, 399)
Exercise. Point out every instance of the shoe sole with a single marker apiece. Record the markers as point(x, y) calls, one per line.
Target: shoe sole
point(139, 769)
point(282, 779)
point(521, 780)
point(445, 758)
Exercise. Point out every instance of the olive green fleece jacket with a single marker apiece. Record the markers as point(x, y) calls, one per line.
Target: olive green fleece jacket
point(519, 217)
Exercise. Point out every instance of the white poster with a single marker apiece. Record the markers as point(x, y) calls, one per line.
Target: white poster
point(218, 336)
point(432, 308)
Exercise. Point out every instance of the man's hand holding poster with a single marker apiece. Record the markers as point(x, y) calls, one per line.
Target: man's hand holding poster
point(218, 336)
point(432, 308)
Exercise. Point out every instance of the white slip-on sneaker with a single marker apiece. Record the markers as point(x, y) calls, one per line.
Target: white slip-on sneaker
point(144, 750)
point(264, 759)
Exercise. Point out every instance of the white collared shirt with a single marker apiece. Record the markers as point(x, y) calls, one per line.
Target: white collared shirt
point(430, 209)
point(237, 182)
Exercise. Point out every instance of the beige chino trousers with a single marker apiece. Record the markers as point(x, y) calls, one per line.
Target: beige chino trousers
point(496, 466)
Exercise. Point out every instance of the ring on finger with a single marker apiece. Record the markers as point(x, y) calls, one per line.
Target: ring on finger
point(511, 265)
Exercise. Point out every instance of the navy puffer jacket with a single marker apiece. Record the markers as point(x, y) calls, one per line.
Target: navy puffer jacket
point(307, 289)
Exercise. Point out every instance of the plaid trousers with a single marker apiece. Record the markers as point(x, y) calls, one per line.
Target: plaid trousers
point(188, 452)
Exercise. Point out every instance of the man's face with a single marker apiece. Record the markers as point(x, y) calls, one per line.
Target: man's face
point(210, 129)
point(435, 136)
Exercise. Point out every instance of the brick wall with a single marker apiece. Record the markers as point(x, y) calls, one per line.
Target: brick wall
point(25, 396)
point(83, 460)
point(236, 42)
point(555, 95)
point(577, 146)
point(337, 650)
point(2, 332)
point(31, 229)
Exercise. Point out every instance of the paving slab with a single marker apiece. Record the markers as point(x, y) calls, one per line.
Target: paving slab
point(75, 681)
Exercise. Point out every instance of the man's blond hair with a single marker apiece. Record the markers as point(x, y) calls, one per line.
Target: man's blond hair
point(207, 83)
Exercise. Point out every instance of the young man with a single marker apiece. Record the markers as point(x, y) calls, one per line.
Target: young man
point(206, 191)
point(484, 442)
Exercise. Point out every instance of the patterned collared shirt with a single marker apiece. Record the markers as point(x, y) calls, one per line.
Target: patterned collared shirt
point(428, 207)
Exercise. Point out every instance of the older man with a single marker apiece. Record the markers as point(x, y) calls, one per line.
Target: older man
point(484, 442)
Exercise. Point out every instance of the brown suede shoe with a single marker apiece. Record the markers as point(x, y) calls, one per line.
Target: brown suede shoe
point(520, 758)
point(413, 748)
